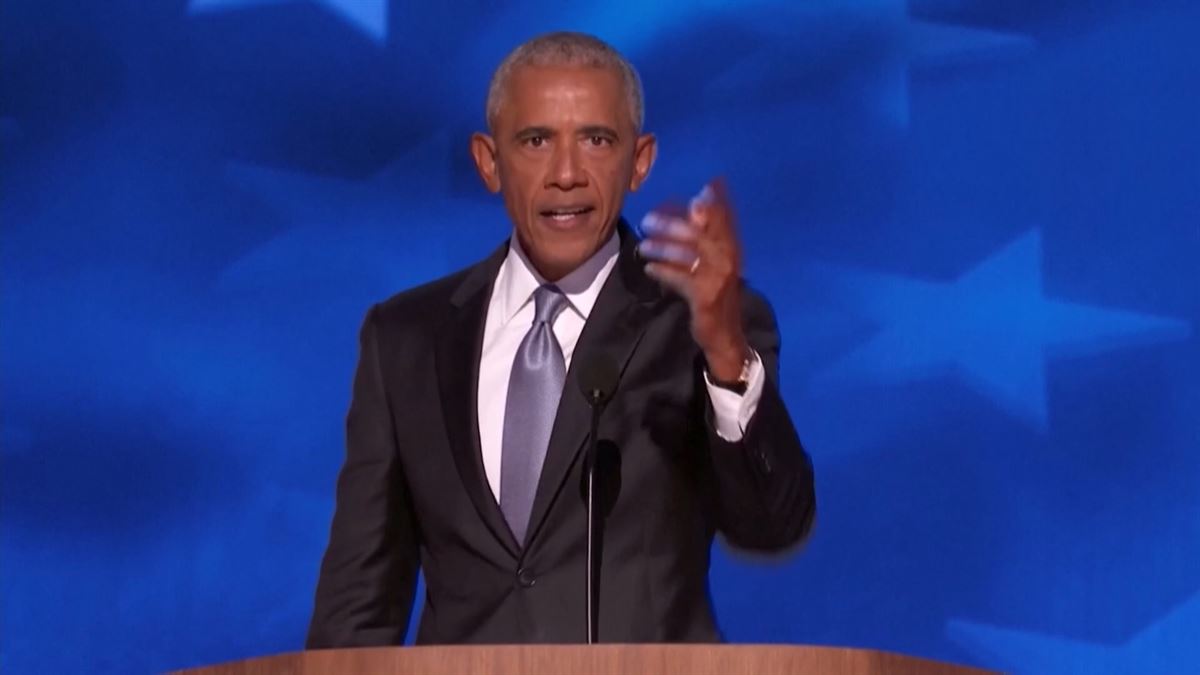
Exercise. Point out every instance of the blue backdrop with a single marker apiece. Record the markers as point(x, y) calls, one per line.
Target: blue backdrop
point(978, 220)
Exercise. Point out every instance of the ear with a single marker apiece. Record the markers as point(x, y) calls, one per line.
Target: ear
point(645, 150)
point(483, 150)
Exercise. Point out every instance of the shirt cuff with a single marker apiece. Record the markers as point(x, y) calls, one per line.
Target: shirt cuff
point(732, 411)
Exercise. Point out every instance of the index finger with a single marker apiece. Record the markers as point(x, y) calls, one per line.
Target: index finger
point(711, 209)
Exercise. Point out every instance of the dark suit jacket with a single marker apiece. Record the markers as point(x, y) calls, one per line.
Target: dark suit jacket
point(413, 493)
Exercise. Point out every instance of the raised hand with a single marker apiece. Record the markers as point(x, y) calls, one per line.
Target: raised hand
point(699, 257)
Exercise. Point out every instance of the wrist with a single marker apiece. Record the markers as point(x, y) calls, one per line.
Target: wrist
point(727, 364)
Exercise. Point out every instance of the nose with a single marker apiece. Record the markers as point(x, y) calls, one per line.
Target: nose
point(566, 168)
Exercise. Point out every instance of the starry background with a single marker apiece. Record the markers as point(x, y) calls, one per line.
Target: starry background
point(978, 221)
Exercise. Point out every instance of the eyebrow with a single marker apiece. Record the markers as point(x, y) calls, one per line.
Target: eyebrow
point(599, 130)
point(589, 130)
point(530, 132)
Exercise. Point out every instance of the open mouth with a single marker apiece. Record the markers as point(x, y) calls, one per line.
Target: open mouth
point(566, 214)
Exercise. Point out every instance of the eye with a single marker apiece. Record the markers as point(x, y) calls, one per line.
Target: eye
point(599, 141)
point(535, 141)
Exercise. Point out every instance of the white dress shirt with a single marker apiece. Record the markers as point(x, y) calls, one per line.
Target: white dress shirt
point(510, 316)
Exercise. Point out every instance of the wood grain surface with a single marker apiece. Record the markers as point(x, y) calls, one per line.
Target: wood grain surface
point(593, 660)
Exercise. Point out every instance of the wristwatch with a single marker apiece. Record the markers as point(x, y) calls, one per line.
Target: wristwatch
point(741, 384)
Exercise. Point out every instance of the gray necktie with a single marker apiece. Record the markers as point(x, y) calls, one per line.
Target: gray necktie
point(534, 388)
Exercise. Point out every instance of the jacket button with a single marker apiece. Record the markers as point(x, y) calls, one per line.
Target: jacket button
point(526, 578)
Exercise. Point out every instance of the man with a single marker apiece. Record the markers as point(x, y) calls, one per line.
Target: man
point(467, 426)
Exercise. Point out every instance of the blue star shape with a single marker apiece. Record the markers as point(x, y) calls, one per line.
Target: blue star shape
point(992, 327)
point(367, 16)
point(1165, 646)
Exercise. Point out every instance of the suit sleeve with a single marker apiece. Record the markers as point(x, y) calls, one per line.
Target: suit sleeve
point(368, 575)
point(766, 499)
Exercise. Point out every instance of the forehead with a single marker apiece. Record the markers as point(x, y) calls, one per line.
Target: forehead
point(549, 94)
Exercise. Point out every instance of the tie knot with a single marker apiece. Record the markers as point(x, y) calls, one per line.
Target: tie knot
point(548, 301)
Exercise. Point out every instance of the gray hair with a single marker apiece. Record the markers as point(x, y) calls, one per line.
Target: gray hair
point(566, 48)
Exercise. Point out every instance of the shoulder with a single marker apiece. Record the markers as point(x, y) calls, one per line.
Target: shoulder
point(422, 302)
point(756, 309)
point(420, 309)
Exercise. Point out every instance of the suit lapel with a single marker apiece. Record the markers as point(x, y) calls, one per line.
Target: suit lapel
point(459, 344)
point(615, 326)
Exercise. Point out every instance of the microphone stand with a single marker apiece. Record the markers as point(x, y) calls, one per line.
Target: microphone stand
point(598, 379)
point(596, 402)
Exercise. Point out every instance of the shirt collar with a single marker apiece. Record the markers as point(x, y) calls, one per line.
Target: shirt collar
point(518, 279)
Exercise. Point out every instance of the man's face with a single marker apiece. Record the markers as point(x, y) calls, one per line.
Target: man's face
point(564, 153)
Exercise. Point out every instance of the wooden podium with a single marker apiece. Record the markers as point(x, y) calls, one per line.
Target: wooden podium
point(589, 660)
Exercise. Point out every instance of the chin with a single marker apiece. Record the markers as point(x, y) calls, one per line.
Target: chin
point(569, 259)
point(555, 259)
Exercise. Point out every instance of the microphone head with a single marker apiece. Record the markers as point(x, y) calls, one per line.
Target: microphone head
point(598, 375)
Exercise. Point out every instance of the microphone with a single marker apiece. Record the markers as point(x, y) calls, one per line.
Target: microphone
point(598, 376)
point(598, 379)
